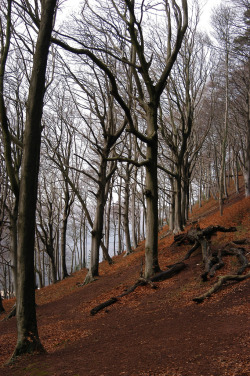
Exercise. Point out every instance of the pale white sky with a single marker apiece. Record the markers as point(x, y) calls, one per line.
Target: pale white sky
point(68, 7)
point(206, 12)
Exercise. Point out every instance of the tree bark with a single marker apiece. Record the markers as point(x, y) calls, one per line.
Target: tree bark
point(126, 211)
point(221, 281)
point(151, 193)
point(27, 332)
point(1, 305)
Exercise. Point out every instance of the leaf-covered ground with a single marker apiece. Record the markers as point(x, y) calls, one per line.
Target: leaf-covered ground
point(148, 332)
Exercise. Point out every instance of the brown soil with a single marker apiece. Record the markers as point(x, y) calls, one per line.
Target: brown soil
point(147, 333)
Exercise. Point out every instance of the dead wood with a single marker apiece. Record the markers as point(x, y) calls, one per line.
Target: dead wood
point(239, 242)
point(102, 306)
point(202, 238)
point(221, 281)
point(173, 270)
point(240, 254)
point(217, 265)
point(161, 276)
point(189, 253)
point(196, 234)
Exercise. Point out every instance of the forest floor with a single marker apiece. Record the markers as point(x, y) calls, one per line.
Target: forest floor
point(150, 332)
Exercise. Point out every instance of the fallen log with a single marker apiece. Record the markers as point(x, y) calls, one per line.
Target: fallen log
point(161, 276)
point(173, 270)
point(221, 281)
point(189, 253)
point(102, 306)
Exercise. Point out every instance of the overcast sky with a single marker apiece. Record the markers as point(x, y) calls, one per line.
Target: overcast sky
point(206, 12)
point(205, 17)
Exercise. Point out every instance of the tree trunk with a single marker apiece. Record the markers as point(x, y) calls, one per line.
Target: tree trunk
point(126, 211)
point(133, 206)
point(171, 205)
point(178, 226)
point(27, 332)
point(98, 224)
point(13, 253)
point(120, 218)
point(63, 241)
point(1, 305)
point(247, 168)
point(151, 193)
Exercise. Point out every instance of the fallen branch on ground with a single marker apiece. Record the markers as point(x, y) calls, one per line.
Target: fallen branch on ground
point(221, 281)
point(161, 276)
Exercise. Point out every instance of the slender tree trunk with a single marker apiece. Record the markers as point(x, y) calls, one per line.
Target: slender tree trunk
point(1, 304)
point(126, 212)
point(151, 193)
point(178, 225)
point(27, 332)
point(53, 268)
point(13, 230)
point(222, 190)
point(171, 205)
point(97, 230)
point(107, 228)
point(247, 169)
point(63, 242)
point(120, 218)
point(133, 210)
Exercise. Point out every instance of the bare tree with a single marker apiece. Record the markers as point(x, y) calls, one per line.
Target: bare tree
point(28, 339)
point(129, 24)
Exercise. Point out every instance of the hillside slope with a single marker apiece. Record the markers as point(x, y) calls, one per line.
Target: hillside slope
point(150, 332)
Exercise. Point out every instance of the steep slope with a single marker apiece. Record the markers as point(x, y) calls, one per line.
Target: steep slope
point(150, 331)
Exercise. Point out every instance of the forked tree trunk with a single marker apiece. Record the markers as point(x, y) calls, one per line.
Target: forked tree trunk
point(97, 230)
point(27, 332)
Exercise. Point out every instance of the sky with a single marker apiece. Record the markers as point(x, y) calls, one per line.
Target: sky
point(206, 12)
point(208, 5)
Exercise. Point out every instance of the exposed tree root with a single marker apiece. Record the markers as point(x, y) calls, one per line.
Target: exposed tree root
point(240, 254)
point(88, 279)
point(221, 281)
point(174, 269)
point(212, 261)
point(161, 276)
point(202, 238)
point(101, 306)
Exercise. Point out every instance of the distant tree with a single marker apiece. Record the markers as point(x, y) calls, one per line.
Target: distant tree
point(241, 82)
point(224, 32)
